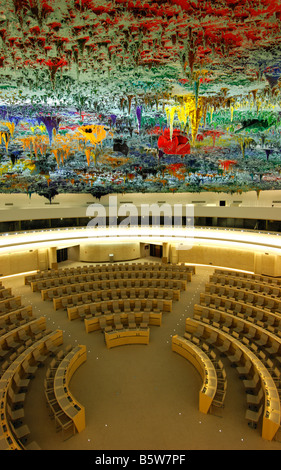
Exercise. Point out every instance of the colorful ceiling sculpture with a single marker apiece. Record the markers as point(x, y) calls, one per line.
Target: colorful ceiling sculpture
point(106, 96)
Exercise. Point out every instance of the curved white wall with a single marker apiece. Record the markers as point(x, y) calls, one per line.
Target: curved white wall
point(99, 252)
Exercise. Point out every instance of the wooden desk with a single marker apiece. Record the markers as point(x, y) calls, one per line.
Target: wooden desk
point(63, 375)
point(49, 282)
point(204, 366)
point(126, 336)
point(39, 322)
point(272, 413)
point(72, 312)
point(255, 310)
point(236, 290)
point(223, 280)
point(7, 439)
point(93, 323)
point(90, 286)
point(57, 302)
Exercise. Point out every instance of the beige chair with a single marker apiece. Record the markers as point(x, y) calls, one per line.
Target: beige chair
point(16, 398)
point(253, 416)
point(104, 326)
point(252, 383)
point(127, 306)
point(117, 322)
point(115, 306)
point(148, 307)
point(81, 312)
point(21, 383)
point(131, 320)
point(114, 294)
point(219, 398)
point(255, 399)
point(93, 309)
point(86, 299)
point(21, 432)
point(65, 425)
point(137, 307)
point(105, 308)
point(235, 357)
point(145, 321)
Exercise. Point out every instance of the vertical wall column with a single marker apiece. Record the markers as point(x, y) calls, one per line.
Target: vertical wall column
point(165, 254)
point(52, 251)
point(267, 264)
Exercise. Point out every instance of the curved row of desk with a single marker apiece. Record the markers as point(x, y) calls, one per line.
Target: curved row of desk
point(68, 404)
point(257, 286)
point(129, 305)
point(93, 323)
point(69, 289)
point(151, 268)
point(271, 413)
point(115, 276)
point(126, 336)
point(10, 437)
point(204, 366)
point(266, 301)
point(275, 281)
point(241, 309)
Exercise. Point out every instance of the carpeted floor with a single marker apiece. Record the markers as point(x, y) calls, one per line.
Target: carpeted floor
point(139, 397)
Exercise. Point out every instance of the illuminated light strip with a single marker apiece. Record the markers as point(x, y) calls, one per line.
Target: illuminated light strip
point(242, 239)
point(19, 274)
point(220, 267)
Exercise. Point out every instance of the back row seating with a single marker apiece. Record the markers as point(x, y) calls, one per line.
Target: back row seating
point(82, 278)
point(49, 294)
point(109, 268)
point(263, 318)
point(264, 288)
point(250, 276)
point(116, 294)
point(9, 305)
point(261, 300)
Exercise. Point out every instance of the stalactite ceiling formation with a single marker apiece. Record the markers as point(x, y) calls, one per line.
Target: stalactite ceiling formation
point(106, 96)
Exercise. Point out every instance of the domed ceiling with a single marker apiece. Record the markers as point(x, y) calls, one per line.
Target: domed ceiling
point(139, 96)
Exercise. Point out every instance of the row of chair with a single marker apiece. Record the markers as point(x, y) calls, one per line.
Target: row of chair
point(63, 422)
point(5, 293)
point(264, 318)
point(66, 302)
point(12, 320)
point(25, 344)
point(221, 378)
point(253, 372)
point(51, 293)
point(105, 308)
point(252, 286)
point(54, 273)
point(117, 324)
point(250, 276)
point(14, 385)
point(82, 278)
point(243, 330)
point(261, 300)
point(9, 305)
point(17, 340)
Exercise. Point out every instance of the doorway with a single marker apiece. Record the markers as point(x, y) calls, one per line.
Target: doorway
point(61, 255)
point(156, 250)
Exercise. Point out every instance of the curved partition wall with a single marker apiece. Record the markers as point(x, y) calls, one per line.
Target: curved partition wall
point(102, 252)
point(252, 251)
